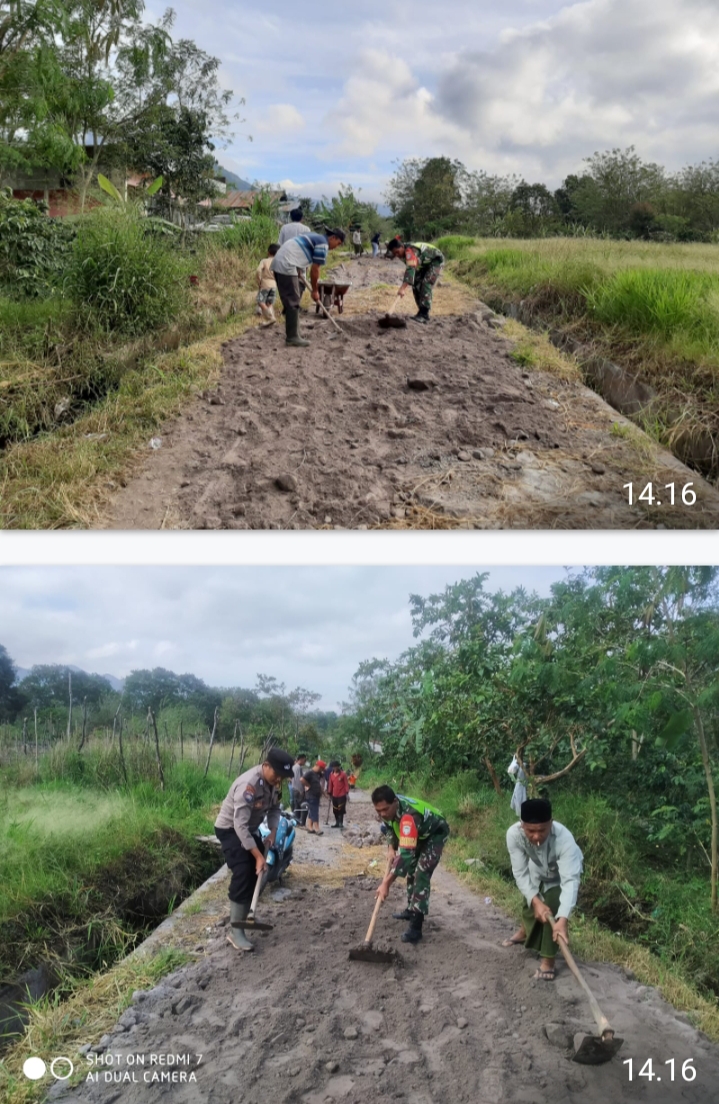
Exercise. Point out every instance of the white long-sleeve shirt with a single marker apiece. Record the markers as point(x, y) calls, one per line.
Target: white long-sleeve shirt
point(557, 861)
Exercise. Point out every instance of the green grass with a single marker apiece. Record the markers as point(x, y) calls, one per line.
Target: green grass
point(631, 910)
point(77, 853)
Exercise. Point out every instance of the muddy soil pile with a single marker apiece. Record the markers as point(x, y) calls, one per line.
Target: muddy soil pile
point(357, 431)
point(460, 1020)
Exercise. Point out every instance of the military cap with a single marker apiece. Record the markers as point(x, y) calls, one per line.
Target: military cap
point(281, 762)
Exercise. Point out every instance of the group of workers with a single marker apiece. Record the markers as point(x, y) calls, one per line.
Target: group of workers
point(308, 785)
point(546, 860)
point(284, 270)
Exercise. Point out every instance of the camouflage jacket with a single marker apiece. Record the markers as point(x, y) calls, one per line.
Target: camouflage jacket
point(432, 828)
point(418, 256)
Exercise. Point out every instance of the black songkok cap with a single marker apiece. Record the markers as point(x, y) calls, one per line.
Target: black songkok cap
point(536, 811)
point(281, 762)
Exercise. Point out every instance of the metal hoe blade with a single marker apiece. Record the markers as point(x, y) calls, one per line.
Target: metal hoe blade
point(389, 322)
point(367, 953)
point(254, 925)
point(593, 1050)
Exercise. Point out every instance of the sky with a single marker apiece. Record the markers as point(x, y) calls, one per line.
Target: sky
point(338, 93)
point(307, 626)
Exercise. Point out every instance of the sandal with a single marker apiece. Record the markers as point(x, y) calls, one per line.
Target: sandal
point(544, 975)
point(513, 942)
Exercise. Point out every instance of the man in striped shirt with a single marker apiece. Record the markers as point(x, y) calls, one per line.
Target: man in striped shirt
point(290, 263)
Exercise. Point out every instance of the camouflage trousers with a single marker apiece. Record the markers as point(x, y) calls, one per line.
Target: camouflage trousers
point(420, 874)
point(423, 287)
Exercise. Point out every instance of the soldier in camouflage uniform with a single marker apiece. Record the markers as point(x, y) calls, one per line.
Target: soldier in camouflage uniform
point(424, 265)
point(418, 832)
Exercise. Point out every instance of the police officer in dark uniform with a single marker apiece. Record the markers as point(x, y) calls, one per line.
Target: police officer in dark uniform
point(252, 796)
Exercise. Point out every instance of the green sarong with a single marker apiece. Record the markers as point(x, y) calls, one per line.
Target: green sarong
point(539, 936)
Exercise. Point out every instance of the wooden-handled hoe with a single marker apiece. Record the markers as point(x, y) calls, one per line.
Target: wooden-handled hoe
point(590, 1050)
point(366, 952)
point(251, 924)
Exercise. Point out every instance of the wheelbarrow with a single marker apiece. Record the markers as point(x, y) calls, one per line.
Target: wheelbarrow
point(332, 295)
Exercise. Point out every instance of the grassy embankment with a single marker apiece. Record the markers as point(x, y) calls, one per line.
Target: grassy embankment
point(79, 403)
point(652, 308)
point(633, 910)
point(88, 866)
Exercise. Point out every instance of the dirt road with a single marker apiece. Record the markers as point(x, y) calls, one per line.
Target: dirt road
point(425, 427)
point(460, 1020)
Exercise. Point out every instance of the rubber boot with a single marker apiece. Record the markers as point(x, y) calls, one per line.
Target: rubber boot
point(414, 931)
point(236, 936)
point(405, 914)
point(292, 322)
point(421, 316)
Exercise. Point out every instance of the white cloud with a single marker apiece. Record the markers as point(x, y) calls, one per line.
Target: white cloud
point(278, 119)
point(382, 103)
point(528, 86)
point(307, 626)
point(599, 74)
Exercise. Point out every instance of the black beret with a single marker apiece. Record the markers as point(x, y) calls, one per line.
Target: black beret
point(536, 811)
point(281, 762)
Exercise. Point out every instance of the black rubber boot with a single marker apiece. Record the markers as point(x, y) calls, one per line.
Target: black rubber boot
point(414, 931)
point(292, 322)
point(405, 914)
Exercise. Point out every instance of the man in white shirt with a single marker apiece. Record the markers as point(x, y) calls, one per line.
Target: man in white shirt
point(293, 228)
point(547, 865)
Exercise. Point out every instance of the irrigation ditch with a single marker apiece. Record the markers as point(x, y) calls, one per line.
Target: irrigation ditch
point(691, 441)
point(87, 929)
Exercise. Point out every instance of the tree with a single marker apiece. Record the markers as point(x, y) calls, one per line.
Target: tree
point(46, 686)
point(487, 202)
point(616, 180)
point(425, 196)
point(100, 84)
point(10, 698)
point(176, 109)
point(533, 208)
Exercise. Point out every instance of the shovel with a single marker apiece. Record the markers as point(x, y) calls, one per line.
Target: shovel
point(250, 923)
point(591, 1050)
point(388, 321)
point(324, 310)
point(366, 952)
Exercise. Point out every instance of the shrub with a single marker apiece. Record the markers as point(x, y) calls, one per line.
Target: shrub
point(659, 301)
point(254, 236)
point(122, 278)
point(454, 246)
point(33, 248)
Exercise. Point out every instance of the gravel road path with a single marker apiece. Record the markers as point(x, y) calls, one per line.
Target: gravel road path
point(429, 426)
point(460, 1020)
